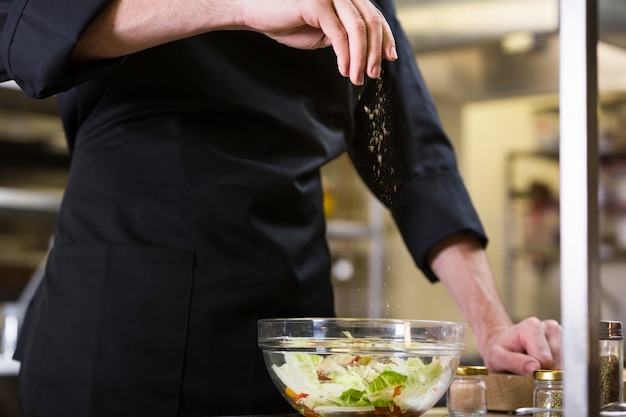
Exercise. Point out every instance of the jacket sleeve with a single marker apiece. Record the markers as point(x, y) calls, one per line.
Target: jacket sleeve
point(36, 40)
point(402, 153)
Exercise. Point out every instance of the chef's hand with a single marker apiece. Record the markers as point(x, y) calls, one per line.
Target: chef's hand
point(356, 29)
point(462, 265)
point(525, 347)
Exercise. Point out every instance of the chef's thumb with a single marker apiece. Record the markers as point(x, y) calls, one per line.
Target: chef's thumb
point(517, 363)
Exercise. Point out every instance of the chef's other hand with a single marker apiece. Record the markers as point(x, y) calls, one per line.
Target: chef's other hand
point(525, 347)
point(356, 29)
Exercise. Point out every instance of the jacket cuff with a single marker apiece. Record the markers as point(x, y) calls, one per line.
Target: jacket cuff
point(439, 207)
point(38, 39)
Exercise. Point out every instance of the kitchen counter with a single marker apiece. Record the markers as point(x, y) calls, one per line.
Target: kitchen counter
point(433, 412)
point(443, 412)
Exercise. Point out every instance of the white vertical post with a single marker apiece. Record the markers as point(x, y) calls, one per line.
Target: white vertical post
point(580, 310)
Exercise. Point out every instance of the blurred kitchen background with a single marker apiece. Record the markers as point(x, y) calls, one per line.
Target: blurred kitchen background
point(492, 68)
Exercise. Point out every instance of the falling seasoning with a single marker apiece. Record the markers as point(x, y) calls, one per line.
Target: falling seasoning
point(611, 341)
point(378, 124)
point(548, 392)
point(377, 148)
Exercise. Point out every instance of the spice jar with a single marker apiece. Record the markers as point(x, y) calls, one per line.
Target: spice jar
point(548, 392)
point(467, 395)
point(611, 350)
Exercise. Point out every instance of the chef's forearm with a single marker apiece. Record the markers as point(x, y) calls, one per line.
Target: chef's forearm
point(461, 264)
point(128, 26)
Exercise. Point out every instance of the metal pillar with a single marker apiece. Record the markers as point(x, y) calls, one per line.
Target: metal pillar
point(580, 304)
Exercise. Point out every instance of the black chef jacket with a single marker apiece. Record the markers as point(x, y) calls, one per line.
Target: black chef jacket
point(194, 207)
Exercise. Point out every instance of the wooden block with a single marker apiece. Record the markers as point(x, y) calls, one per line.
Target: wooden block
point(506, 392)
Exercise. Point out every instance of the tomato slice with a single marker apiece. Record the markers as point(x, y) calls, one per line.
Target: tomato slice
point(354, 361)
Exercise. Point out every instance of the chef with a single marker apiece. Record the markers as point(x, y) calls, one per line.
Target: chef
point(194, 204)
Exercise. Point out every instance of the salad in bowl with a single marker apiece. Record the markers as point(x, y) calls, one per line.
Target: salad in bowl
point(370, 367)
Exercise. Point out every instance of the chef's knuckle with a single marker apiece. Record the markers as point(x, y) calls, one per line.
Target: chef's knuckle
point(361, 25)
point(552, 325)
point(375, 19)
point(533, 322)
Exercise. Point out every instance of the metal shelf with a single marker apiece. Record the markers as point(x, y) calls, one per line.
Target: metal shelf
point(29, 200)
point(8, 367)
point(347, 229)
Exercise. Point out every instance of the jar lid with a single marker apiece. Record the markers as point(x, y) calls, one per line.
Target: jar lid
point(548, 375)
point(611, 330)
point(472, 370)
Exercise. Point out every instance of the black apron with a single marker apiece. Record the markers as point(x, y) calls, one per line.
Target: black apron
point(193, 209)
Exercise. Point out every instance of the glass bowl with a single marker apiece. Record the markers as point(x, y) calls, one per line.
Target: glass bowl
point(365, 367)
